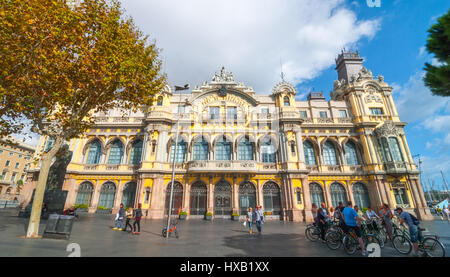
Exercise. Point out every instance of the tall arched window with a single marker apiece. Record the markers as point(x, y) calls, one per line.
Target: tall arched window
point(107, 194)
point(223, 150)
point(286, 101)
point(308, 149)
point(393, 142)
point(350, 153)
point(95, 150)
point(116, 152)
point(267, 151)
point(129, 194)
point(201, 150)
point(338, 194)
point(245, 150)
point(385, 152)
point(84, 194)
point(361, 195)
point(159, 101)
point(136, 152)
point(316, 194)
point(181, 151)
point(329, 154)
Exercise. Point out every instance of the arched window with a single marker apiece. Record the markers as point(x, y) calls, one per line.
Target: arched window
point(245, 150)
point(267, 151)
point(177, 198)
point(385, 153)
point(329, 154)
point(95, 150)
point(181, 151)
point(129, 193)
point(338, 194)
point(84, 194)
point(393, 142)
point(8, 191)
point(223, 150)
point(116, 152)
point(272, 199)
point(361, 195)
point(136, 152)
point(308, 149)
point(350, 153)
point(316, 194)
point(247, 197)
point(107, 194)
point(159, 101)
point(201, 150)
point(286, 101)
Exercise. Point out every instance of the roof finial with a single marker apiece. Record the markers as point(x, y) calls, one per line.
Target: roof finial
point(282, 73)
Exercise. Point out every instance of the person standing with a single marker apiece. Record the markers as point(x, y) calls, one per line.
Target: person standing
point(447, 211)
point(129, 216)
point(250, 220)
point(321, 221)
point(386, 215)
point(324, 210)
point(137, 219)
point(259, 219)
point(119, 219)
point(351, 219)
point(314, 212)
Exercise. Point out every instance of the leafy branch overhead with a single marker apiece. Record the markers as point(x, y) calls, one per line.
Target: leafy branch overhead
point(59, 65)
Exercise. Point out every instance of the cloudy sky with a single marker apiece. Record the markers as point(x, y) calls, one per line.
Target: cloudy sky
point(253, 38)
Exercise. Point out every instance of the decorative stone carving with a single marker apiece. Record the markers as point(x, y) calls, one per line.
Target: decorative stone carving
point(284, 86)
point(373, 96)
point(388, 129)
point(380, 78)
point(223, 78)
point(364, 73)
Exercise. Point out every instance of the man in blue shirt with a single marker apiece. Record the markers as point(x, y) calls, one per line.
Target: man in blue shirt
point(351, 221)
point(414, 233)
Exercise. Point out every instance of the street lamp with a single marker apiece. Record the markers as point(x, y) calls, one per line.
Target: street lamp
point(177, 88)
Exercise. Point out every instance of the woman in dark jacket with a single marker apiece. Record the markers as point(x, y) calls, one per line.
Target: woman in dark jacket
point(137, 219)
point(321, 221)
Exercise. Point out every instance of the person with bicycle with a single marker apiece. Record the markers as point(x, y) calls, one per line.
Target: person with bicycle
point(322, 222)
point(372, 217)
point(351, 220)
point(387, 216)
point(413, 225)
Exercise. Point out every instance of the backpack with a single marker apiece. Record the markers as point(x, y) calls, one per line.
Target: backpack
point(414, 220)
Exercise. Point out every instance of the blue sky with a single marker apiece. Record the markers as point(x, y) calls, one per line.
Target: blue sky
point(251, 37)
point(397, 52)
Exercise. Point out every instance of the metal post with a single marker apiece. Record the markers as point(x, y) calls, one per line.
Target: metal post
point(173, 163)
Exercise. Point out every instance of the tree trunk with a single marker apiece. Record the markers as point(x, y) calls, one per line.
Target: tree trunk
point(35, 217)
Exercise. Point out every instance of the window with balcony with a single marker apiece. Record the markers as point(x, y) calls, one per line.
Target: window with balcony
point(401, 197)
point(343, 113)
point(231, 113)
point(310, 156)
point(351, 156)
point(303, 114)
point(286, 101)
point(181, 151)
point(329, 154)
point(3, 176)
point(115, 152)
point(181, 109)
point(223, 150)
point(393, 142)
point(201, 150)
point(214, 112)
point(245, 150)
point(376, 111)
point(136, 152)
point(267, 152)
point(94, 153)
point(323, 115)
point(13, 177)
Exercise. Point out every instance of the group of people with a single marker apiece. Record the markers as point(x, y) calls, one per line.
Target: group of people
point(129, 214)
point(350, 217)
point(445, 211)
point(255, 217)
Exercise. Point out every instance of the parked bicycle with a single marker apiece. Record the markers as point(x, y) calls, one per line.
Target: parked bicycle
point(172, 229)
point(350, 241)
point(429, 245)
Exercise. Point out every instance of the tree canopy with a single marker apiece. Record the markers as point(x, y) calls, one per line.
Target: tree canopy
point(437, 76)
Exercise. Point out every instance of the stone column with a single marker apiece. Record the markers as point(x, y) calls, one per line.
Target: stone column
point(349, 193)
point(415, 194)
point(388, 194)
point(95, 197)
point(210, 196)
point(407, 151)
point(161, 146)
point(300, 151)
point(118, 197)
point(307, 199)
point(420, 190)
point(157, 200)
point(259, 194)
point(373, 157)
point(186, 197)
point(327, 194)
point(235, 196)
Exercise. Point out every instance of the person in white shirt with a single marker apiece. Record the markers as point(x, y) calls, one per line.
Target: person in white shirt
point(447, 211)
point(372, 216)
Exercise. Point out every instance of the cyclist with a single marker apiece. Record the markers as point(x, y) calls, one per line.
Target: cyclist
point(325, 211)
point(351, 220)
point(338, 215)
point(321, 221)
point(314, 212)
point(387, 216)
point(372, 216)
point(413, 224)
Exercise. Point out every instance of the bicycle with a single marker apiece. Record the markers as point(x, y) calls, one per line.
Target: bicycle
point(172, 229)
point(313, 232)
point(334, 237)
point(351, 243)
point(369, 229)
point(429, 245)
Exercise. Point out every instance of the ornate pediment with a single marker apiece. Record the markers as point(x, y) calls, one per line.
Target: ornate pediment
point(223, 78)
point(284, 86)
point(388, 129)
point(373, 96)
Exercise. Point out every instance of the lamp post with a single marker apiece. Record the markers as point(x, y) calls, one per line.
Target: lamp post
point(177, 88)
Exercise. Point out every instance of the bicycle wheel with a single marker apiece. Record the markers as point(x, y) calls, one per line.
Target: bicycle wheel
point(402, 244)
point(312, 233)
point(350, 245)
point(433, 248)
point(333, 240)
point(383, 235)
point(164, 233)
point(379, 240)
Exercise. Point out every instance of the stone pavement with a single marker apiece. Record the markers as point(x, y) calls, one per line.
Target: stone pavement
point(198, 238)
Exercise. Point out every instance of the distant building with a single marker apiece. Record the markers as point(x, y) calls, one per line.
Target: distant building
point(15, 159)
point(237, 149)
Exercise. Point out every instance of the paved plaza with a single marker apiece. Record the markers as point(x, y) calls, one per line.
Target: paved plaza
point(198, 238)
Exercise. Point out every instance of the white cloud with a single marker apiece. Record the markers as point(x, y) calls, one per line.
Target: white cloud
point(422, 51)
point(249, 37)
point(440, 123)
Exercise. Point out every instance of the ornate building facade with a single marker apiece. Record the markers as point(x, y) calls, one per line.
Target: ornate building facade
point(238, 149)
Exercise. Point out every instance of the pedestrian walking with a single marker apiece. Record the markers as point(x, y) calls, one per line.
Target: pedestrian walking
point(137, 219)
point(129, 216)
point(250, 220)
point(258, 218)
point(119, 219)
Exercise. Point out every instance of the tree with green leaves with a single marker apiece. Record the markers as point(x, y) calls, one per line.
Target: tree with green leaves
point(437, 76)
point(60, 64)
